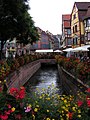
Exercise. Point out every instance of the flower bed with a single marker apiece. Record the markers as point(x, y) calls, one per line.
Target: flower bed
point(73, 65)
point(42, 105)
point(10, 65)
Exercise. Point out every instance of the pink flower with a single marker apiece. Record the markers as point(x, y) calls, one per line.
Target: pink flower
point(8, 112)
point(28, 109)
point(9, 106)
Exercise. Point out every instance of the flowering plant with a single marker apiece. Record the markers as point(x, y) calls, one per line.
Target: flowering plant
point(11, 104)
point(83, 71)
point(4, 69)
point(42, 105)
point(75, 67)
point(49, 105)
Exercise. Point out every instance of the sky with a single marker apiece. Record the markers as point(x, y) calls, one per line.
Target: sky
point(47, 14)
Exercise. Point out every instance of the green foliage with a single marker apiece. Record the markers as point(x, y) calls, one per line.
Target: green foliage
point(21, 60)
point(26, 59)
point(16, 22)
point(4, 70)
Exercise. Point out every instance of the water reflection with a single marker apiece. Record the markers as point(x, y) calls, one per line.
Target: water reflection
point(46, 76)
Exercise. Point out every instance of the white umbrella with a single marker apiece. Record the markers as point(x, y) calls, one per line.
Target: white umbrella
point(82, 48)
point(57, 51)
point(68, 49)
point(85, 47)
point(44, 51)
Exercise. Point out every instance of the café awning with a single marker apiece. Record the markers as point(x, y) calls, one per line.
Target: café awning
point(58, 51)
point(68, 49)
point(82, 48)
point(44, 51)
point(77, 49)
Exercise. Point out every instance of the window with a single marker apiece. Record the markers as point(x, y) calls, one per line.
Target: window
point(75, 41)
point(34, 46)
point(82, 39)
point(43, 40)
point(68, 31)
point(13, 47)
point(85, 37)
point(75, 28)
point(45, 45)
point(85, 23)
point(88, 35)
point(74, 16)
point(88, 23)
point(69, 42)
point(0, 45)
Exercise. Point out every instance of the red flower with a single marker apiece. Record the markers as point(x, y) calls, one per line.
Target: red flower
point(13, 91)
point(22, 94)
point(22, 88)
point(18, 94)
point(88, 103)
point(70, 115)
point(79, 103)
point(4, 117)
point(88, 90)
point(0, 89)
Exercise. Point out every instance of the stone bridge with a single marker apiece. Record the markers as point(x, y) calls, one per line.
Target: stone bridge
point(48, 61)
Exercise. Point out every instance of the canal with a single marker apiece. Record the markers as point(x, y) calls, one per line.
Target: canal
point(46, 77)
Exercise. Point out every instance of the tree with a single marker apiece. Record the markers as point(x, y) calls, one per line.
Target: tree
point(16, 22)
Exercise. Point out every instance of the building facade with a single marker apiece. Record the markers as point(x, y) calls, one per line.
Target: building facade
point(77, 25)
point(45, 41)
point(66, 31)
point(87, 26)
point(57, 39)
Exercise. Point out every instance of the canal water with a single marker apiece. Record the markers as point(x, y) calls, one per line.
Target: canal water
point(46, 77)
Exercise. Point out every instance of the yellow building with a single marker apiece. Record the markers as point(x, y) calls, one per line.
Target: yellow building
point(77, 25)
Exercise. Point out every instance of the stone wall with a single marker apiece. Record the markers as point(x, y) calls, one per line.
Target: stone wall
point(71, 84)
point(21, 76)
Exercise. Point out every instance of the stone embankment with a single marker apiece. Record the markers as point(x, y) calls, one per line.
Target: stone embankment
point(23, 74)
point(71, 84)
